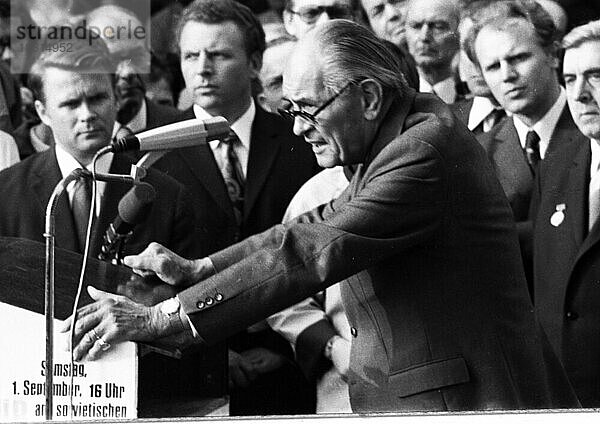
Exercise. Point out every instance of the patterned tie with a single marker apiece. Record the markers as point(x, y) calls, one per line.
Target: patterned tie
point(82, 199)
point(233, 174)
point(532, 150)
point(594, 199)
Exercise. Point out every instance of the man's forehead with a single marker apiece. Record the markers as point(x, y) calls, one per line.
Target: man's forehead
point(584, 57)
point(431, 9)
point(517, 28)
point(306, 3)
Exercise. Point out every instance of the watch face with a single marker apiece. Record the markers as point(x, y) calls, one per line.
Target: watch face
point(170, 306)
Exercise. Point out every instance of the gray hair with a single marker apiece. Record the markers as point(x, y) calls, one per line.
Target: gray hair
point(581, 34)
point(352, 52)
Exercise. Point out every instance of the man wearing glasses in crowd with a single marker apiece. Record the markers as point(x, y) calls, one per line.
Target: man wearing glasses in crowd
point(301, 15)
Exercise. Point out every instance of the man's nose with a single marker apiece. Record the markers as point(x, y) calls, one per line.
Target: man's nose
point(205, 64)
point(323, 17)
point(85, 111)
point(300, 126)
point(580, 90)
point(508, 71)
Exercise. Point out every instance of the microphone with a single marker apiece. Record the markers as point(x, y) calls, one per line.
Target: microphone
point(133, 209)
point(192, 132)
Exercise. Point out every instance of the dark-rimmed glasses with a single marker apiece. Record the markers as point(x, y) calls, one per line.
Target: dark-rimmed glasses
point(310, 14)
point(311, 118)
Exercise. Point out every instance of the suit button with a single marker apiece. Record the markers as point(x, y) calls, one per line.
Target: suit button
point(200, 305)
point(209, 301)
point(353, 331)
point(218, 297)
point(572, 316)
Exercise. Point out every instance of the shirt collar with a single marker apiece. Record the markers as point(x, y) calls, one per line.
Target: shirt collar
point(481, 108)
point(545, 126)
point(242, 126)
point(445, 89)
point(68, 163)
point(139, 121)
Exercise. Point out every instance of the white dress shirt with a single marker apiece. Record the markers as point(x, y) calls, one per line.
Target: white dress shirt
point(243, 129)
point(480, 111)
point(68, 164)
point(445, 89)
point(595, 162)
point(545, 126)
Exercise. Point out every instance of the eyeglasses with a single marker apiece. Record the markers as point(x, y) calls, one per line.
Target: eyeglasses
point(311, 118)
point(310, 14)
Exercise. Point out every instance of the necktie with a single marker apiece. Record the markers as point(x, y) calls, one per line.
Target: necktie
point(532, 149)
point(594, 199)
point(82, 199)
point(233, 174)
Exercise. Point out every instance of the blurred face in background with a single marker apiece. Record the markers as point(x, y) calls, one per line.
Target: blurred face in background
point(271, 75)
point(431, 32)
point(386, 18)
point(468, 71)
point(305, 14)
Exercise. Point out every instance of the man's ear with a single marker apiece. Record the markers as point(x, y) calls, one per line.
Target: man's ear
point(372, 98)
point(288, 18)
point(41, 111)
point(255, 61)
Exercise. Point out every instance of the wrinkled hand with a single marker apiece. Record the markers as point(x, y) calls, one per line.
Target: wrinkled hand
point(109, 320)
point(241, 371)
point(166, 265)
point(264, 360)
point(340, 356)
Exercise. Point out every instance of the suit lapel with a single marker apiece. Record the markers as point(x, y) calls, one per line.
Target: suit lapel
point(505, 150)
point(584, 158)
point(110, 202)
point(564, 133)
point(44, 181)
point(264, 148)
point(203, 165)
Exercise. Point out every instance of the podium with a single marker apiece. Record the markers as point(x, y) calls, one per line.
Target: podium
point(170, 383)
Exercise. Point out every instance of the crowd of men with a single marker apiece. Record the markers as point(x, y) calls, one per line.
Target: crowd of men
point(446, 258)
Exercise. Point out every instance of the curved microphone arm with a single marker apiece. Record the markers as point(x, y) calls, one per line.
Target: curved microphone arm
point(49, 235)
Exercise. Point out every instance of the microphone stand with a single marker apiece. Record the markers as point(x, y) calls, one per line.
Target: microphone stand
point(50, 232)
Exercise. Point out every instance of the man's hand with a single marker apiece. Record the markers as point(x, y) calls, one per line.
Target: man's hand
point(264, 360)
point(168, 266)
point(241, 371)
point(112, 319)
point(340, 355)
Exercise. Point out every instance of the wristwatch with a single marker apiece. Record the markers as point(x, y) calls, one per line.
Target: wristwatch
point(170, 309)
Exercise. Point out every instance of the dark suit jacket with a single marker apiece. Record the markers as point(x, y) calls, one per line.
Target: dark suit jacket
point(567, 268)
point(26, 188)
point(508, 159)
point(158, 115)
point(435, 294)
point(278, 164)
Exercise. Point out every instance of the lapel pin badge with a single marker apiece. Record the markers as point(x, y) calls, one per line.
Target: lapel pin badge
point(559, 215)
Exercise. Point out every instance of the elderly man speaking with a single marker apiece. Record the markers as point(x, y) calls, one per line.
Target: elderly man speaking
point(435, 294)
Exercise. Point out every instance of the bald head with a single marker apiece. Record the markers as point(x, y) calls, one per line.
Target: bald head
point(120, 28)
